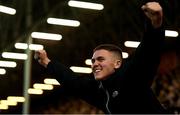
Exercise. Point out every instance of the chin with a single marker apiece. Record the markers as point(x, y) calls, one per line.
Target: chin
point(98, 78)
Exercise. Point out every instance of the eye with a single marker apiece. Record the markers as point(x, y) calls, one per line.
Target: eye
point(92, 60)
point(100, 59)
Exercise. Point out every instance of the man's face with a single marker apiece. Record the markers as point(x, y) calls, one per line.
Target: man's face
point(104, 64)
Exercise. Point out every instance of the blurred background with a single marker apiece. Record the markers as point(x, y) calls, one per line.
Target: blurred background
point(29, 25)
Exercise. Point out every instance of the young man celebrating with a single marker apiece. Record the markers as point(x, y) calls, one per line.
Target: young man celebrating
point(118, 87)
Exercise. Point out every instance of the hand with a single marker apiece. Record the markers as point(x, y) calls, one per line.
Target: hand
point(154, 12)
point(42, 57)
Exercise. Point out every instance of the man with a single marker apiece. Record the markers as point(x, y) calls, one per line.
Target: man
point(118, 87)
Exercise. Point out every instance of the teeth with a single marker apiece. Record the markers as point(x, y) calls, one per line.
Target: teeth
point(97, 70)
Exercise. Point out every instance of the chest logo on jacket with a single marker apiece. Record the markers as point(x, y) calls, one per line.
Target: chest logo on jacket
point(115, 94)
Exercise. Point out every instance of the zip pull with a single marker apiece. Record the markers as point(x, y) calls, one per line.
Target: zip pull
point(107, 96)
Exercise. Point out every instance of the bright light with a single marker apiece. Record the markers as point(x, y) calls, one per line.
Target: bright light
point(35, 47)
point(64, 22)
point(132, 44)
point(47, 36)
point(43, 86)
point(8, 102)
point(86, 5)
point(170, 33)
point(8, 64)
point(35, 91)
point(16, 98)
point(21, 45)
point(51, 81)
point(31, 46)
point(7, 10)
point(14, 55)
point(88, 62)
point(2, 71)
point(3, 107)
point(81, 69)
point(125, 55)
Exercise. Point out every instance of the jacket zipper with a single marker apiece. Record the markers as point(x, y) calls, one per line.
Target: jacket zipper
point(107, 102)
point(107, 95)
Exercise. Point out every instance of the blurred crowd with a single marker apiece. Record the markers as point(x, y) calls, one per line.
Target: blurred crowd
point(72, 106)
point(167, 89)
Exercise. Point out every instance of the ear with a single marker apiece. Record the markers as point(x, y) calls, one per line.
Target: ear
point(117, 64)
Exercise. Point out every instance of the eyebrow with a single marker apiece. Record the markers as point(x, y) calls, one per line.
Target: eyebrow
point(97, 58)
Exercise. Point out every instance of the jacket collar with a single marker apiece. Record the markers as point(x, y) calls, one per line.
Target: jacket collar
point(108, 83)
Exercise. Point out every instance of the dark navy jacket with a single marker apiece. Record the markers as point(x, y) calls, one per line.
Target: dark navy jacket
point(128, 90)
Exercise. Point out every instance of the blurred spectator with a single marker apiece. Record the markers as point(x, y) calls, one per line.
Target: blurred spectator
point(167, 82)
point(73, 106)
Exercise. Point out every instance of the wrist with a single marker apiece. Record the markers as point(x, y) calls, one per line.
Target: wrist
point(45, 62)
point(157, 24)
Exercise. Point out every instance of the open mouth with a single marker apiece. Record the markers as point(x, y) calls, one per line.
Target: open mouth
point(96, 70)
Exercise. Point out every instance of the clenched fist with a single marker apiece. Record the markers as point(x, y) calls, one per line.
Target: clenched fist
point(154, 12)
point(42, 57)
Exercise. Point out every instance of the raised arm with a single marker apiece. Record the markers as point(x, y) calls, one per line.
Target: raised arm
point(143, 65)
point(54, 68)
point(83, 87)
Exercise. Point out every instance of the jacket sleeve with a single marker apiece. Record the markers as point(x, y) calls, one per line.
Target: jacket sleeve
point(67, 77)
point(84, 87)
point(141, 69)
point(60, 72)
point(74, 85)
